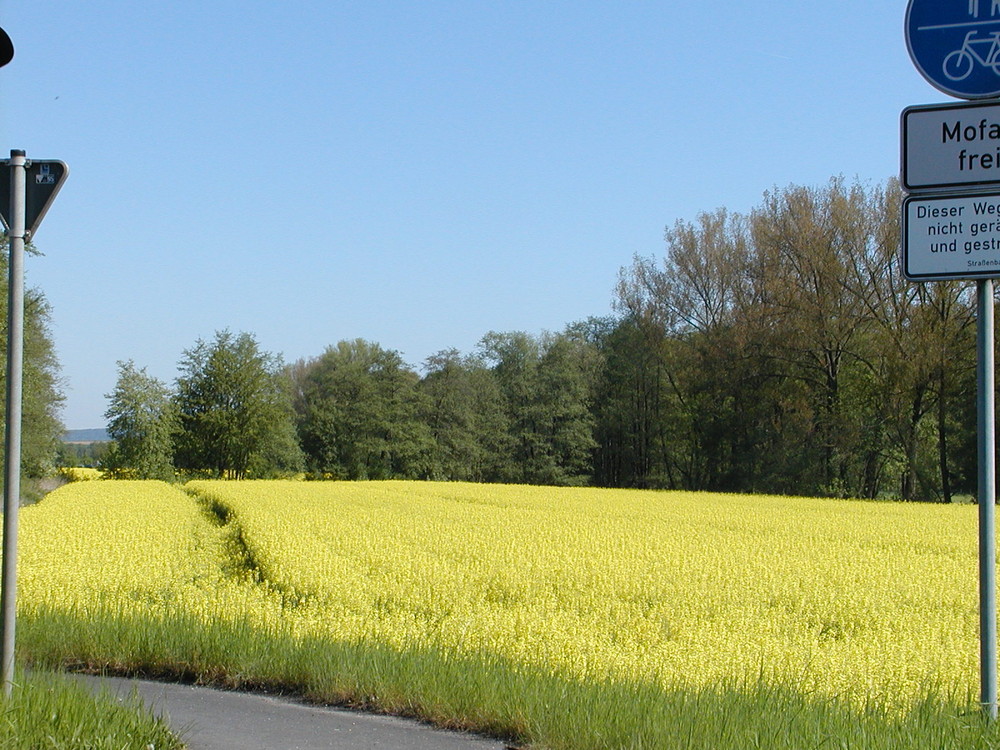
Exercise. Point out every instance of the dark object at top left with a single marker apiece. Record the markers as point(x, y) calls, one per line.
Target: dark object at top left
point(6, 48)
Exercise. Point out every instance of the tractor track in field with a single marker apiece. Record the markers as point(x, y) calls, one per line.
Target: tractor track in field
point(213, 718)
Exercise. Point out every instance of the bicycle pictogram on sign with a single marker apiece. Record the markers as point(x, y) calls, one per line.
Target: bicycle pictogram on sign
point(958, 65)
point(955, 44)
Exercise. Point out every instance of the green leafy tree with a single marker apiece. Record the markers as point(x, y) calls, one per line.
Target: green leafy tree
point(89, 455)
point(42, 397)
point(567, 374)
point(235, 410)
point(547, 386)
point(464, 410)
point(514, 358)
point(638, 440)
point(359, 413)
point(685, 363)
point(807, 240)
point(142, 422)
point(783, 351)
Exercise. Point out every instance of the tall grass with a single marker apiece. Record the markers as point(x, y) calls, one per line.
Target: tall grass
point(45, 712)
point(494, 696)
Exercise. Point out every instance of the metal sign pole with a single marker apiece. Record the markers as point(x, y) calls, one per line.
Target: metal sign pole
point(12, 441)
point(985, 376)
point(937, 38)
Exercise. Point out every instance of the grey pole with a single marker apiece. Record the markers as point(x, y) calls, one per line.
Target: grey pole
point(12, 441)
point(987, 499)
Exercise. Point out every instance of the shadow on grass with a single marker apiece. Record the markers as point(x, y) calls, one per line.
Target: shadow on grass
point(492, 696)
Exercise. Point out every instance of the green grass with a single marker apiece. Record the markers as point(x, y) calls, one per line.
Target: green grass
point(47, 711)
point(506, 700)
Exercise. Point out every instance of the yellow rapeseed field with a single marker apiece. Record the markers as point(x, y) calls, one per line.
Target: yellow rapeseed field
point(79, 473)
point(684, 590)
point(135, 550)
point(860, 600)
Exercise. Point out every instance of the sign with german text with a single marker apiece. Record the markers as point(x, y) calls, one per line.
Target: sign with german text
point(951, 237)
point(948, 146)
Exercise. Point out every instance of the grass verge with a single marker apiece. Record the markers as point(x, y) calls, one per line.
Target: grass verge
point(496, 697)
point(46, 711)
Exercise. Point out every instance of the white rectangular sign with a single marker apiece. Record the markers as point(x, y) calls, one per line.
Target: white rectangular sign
point(948, 146)
point(951, 237)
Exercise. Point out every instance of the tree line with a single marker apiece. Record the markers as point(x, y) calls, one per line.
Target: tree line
point(783, 351)
point(774, 351)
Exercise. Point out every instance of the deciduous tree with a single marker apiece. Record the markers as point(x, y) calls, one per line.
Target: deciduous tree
point(359, 414)
point(142, 423)
point(235, 409)
point(42, 396)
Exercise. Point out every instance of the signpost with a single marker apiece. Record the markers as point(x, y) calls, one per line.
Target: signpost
point(34, 185)
point(950, 165)
point(27, 189)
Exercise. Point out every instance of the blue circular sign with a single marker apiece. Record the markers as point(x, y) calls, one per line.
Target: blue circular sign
point(955, 45)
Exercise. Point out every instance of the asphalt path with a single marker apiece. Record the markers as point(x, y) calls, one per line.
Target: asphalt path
point(211, 719)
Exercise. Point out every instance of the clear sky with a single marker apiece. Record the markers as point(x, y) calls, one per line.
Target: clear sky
point(413, 173)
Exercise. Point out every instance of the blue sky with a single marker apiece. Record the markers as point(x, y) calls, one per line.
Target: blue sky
point(413, 173)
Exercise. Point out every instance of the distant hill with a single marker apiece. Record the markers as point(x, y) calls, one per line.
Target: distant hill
point(96, 435)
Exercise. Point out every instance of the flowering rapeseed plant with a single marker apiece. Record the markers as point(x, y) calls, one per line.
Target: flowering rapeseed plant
point(853, 599)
